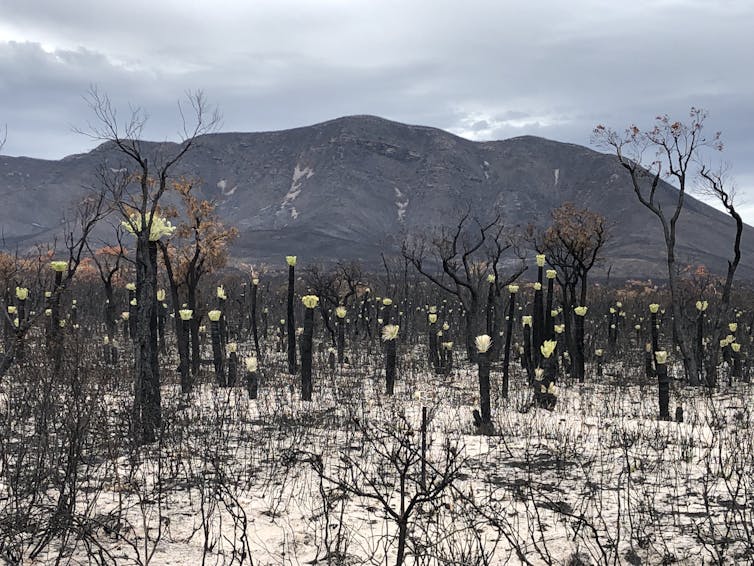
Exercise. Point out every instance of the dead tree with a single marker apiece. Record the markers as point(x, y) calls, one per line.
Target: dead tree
point(676, 146)
point(714, 185)
point(465, 255)
point(138, 181)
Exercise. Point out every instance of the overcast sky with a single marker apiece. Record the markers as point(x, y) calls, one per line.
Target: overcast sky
point(481, 69)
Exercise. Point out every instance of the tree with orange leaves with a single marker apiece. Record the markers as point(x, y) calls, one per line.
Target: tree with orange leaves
point(199, 246)
point(572, 244)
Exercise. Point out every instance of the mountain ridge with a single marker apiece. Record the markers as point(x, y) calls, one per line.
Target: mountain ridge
point(353, 186)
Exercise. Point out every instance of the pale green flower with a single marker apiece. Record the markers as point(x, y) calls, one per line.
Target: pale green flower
point(160, 227)
point(548, 347)
point(483, 343)
point(390, 332)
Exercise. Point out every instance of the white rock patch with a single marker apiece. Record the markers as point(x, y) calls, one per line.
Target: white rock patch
point(401, 203)
point(299, 176)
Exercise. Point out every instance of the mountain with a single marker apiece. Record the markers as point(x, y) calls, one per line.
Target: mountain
point(352, 187)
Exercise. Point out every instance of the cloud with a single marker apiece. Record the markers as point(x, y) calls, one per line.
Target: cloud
point(488, 70)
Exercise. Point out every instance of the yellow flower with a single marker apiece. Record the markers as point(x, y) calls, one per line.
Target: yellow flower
point(232, 347)
point(559, 328)
point(537, 286)
point(513, 289)
point(548, 347)
point(16, 322)
point(554, 313)
point(125, 315)
point(580, 311)
point(619, 304)
point(387, 302)
point(214, 315)
point(22, 293)
point(598, 352)
point(251, 364)
point(551, 274)
point(290, 260)
point(12, 309)
point(432, 318)
point(637, 327)
point(491, 278)
point(433, 309)
point(445, 326)
point(310, 301)
point(447, 345)
point(483, 343)
point(48, 294)
point(736, 347)
point(551, 389)
point(131, 286)
point(733, 326)
point(185, 314)
point(132, 302)
point(701, 306)
point(612, 310)
point(341, 312)
point(540, 260)
point(390, 332)
point(653, 308)
point(59, 266)
point(221, 293)
point(161, 295)
point(661, 356)
point(255, 281)
point(526, 320)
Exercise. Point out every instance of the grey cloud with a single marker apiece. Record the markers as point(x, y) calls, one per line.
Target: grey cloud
point(490, 70)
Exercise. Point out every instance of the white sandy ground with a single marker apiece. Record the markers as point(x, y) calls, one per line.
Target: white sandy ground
point(599, 477)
